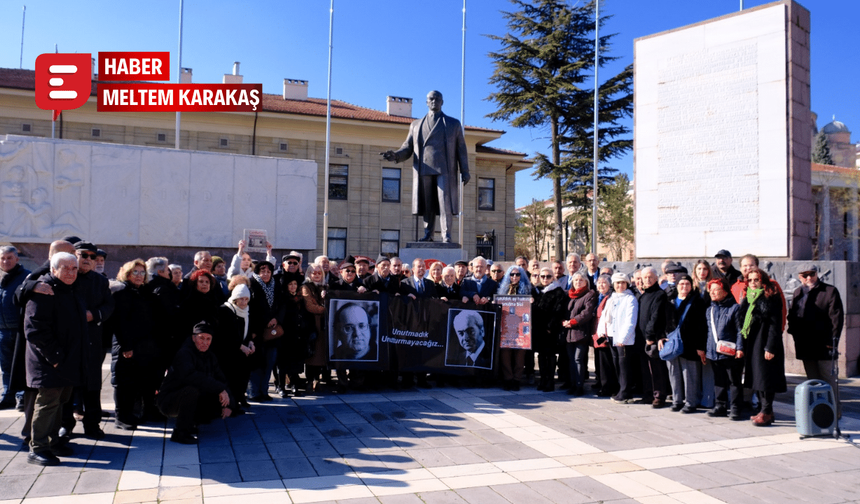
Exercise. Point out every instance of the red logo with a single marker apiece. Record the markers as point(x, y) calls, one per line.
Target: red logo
point(63, 81)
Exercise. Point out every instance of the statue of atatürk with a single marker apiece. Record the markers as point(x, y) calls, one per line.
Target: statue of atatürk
point(438, 149)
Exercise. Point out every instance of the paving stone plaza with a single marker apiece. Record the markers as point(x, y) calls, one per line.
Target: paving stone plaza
point(449, 445)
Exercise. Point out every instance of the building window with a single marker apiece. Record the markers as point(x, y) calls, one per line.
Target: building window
point(389, 242)
point(391, 185)
point(338, 176)
point(338, 151)
point(282, 147)
point(486, 194)
point(161, 137)
point(26, 128)
point(845, 224)
point(96, 132)
point(224, 142)
point(336, 244)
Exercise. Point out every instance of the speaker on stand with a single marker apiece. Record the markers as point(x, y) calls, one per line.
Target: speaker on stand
point(814, 409)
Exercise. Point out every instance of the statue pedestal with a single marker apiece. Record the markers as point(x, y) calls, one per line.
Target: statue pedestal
point(448, 253)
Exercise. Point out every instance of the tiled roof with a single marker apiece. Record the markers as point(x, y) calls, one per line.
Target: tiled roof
point(26, 79)
point(834, 169)
point(493, 150)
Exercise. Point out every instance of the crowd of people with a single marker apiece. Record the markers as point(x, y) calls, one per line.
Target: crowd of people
point(209, 343)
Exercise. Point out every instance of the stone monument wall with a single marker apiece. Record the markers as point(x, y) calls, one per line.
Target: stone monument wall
point(722, 142)
point(122, 195)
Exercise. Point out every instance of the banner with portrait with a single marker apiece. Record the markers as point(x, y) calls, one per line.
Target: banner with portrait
point(411, 335)
point(516, 326)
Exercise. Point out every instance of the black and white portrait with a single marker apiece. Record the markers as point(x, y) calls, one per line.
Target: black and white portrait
point(353, 330)
point(470, 339)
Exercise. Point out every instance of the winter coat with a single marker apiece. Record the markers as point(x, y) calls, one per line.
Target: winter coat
point(693, 330)
point(487, 288)
point(727, 324)
point(56, 331)
point(548, 310)
point(10, 314)
point(164, 306)
point(95, 290)
point(132, 332)
point(191, 367)
point(619, 317)
point(315, 306)
point(581, 311)
point(819, 324)
point(765, 335)
point(651, 324)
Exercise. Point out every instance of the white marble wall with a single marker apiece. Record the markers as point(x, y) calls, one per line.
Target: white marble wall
point(711, 138)
point(128, 195)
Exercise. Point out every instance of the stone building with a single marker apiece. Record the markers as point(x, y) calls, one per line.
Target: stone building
point(369, 198)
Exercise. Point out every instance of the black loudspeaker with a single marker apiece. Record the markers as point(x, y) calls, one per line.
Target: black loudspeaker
point(814, 408)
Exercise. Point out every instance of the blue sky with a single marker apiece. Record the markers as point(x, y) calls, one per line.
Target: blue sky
point(393, 47)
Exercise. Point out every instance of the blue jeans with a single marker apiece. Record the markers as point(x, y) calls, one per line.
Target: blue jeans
point(258, 385)
point(7, 350)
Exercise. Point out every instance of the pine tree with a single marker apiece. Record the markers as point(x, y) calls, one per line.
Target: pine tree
point(821, 150)
point(547, 59)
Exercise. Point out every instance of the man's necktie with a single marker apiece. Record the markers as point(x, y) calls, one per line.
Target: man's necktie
point(470, 361)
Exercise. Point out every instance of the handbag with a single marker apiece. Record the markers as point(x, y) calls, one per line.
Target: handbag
point(273, 333)
point(674, 346)
point(723, 347)
point(599, 341)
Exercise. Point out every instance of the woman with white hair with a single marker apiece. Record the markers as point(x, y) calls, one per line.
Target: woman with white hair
point(233, 343)
point(581, 308)
point(618, 324)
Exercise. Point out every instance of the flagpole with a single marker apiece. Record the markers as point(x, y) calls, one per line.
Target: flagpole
point(53, 112)
point(462, 119)
point(179, 74)
point(596, 108)
point(23, 19)
point(327, 130)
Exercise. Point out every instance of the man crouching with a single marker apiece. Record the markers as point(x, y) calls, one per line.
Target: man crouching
point(56, 330)
point(195, 388)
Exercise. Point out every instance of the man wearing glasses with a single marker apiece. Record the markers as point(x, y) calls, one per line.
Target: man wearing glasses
point(353, 334)
point(348, 279)
point(815, 320)
point(94, 289)
point(497, 272)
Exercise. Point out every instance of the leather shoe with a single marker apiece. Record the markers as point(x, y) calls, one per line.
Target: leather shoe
point(183, 438)
point(735, 415)
point(658, 403)
point(124, 425)
point(43, 459)
point(763, 421)
point(94, 433)
point(677, 407)
point(688, 409)
point(62, 450)
point(717, 412)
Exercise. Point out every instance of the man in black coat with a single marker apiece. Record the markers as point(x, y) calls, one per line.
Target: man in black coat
point(195, 388)
point(416, 286)
point(650, 328)
point(480, 288)
point(12, 275)
point(382, 280)
point(56, 330)
point(815, 320)
point(724, 265)
point(94, 289)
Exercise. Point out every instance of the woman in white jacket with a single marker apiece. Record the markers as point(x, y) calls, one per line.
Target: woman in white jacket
point(619, 324)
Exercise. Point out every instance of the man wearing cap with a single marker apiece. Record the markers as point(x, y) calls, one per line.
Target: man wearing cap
point(461, 267)
point(815, 320)
point(194, 389)
point(290, 270)
point(382, 280)
point(101, 257)
point(362, 267)
point(94, 289)
point(673, 272)
point(724, 265)
point(348, 280)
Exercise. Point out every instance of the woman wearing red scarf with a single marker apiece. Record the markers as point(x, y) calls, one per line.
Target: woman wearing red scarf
point(582, 306)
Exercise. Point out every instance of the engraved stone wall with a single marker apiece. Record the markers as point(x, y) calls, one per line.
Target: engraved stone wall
point(128, 195)
point(713, 145)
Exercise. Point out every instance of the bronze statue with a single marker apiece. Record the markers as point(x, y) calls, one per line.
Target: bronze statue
point(438, 149)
